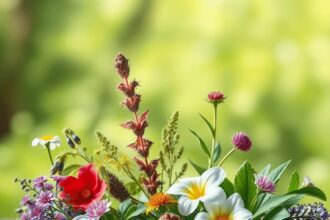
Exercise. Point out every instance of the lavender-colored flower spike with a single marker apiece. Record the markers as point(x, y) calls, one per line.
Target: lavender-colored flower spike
point(264, 184)
point(241, 141)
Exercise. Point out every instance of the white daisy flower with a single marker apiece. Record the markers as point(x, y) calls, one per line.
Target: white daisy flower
point(195, 189)
point(225, 209)
point(52, 141)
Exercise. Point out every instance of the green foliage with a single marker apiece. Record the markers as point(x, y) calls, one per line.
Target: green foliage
point(208, 124)
point(200, 170)
point(294, 182)
point(244, 183)
point(228, 187)
point(201, 143)
point(310, 191)
point(71, 168)
point(171, 152)
point(276, 174)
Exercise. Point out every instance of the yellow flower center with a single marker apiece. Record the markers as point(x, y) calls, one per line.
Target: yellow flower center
point(195, 191)
point(222, 217)
point(47, 137)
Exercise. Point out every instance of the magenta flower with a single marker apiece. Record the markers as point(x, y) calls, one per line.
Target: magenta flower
point(264, 184)
point(25, 200)
point(97, 209)
point(241, 141)
point(215, 97)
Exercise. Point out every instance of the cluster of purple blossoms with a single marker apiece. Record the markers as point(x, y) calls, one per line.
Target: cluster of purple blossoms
point(39, 201)
point(309, 211)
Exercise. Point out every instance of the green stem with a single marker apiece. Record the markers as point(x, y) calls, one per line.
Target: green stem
point(137, 182)
point(214, 135)
point(49, 154)
point(226, 156)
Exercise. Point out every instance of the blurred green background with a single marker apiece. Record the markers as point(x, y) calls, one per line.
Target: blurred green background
point(271, 58)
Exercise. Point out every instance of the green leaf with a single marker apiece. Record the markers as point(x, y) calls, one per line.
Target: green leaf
point(208, 124)
point(294, 182)
point(201, 142)
point(70, 169)
point(275, 175)
point(277, 213)
point(139, 210)
point(216, 153)
point(265, 170)
point(124, 206)
point(228, 187)
point(200, 170)
point(244, 183)
point(311, 191)
point(272, 203)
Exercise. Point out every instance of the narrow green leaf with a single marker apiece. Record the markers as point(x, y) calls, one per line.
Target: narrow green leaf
point(294, 182)
point(201, 142)
point(139, 210)
point(277, 213)
point(275, 175)
point(228, 187)
point(200, 170)
point(265, 170)
point(216, 153)
point(311, 191)
point(244, 183)
point(272, 203)
point(208, 124)
point(70, 169)
point(124, 206)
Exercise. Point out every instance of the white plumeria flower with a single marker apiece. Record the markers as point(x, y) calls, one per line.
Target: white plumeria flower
point(195, 189)
point(52, 141)
point(225, 209)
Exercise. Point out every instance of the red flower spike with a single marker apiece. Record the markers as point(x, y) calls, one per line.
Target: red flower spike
point(133, 103)
point(83, 190)
point(129, 90)
point(121, 64)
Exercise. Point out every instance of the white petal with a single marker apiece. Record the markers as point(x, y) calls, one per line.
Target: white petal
point(81, 217)
point(242, 214)
point(202, 216)
point(52, 146)
point(187, 206)
point(235, 201)
point(214, 176)
point(57, 140)
point(35, 142)
point(214, 197)
point(180, 188)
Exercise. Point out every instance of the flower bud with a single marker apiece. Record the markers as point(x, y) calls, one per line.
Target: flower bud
point(76, 139)
point(70, 142)
point(215, 97)
point(121, 64)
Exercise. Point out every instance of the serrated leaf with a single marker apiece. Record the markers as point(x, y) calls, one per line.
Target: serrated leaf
point(200, 170)
point(272, 203)
point(216, 153)
point(276, 174)
point(228, 187)
point(201, 143)
point(244, 183)
point(294, 182)
point(311, 191)
point(277, 213)
point(208, 124)
point(70, 169)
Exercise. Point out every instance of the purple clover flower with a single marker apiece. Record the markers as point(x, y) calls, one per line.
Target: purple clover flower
point(241, 141)
point(264, 184)
point(97, 209)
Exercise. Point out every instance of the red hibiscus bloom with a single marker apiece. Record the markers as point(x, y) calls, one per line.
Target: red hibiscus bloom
point(83, 190)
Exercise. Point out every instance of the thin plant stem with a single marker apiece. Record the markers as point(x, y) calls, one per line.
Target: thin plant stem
point(226, 156)
point(49, 154)
point(214, 135)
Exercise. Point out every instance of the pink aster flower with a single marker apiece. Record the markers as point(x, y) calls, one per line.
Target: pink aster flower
point(97, 209)
point(264, 184)
point(241, 141)
point(45, 198)
point(215, 97)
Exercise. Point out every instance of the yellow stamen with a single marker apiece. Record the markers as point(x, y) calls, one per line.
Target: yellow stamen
point(222, 217)
point(195, 191)
point(47, 137)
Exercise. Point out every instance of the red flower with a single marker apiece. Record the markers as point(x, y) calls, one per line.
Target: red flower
point(83, 190)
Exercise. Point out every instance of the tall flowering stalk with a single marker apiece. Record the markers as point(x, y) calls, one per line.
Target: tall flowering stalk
point(137, 125)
